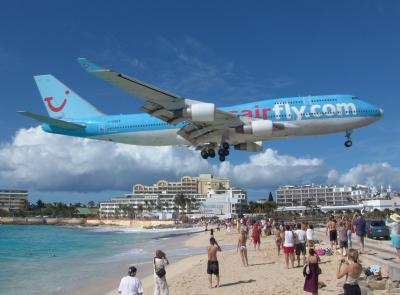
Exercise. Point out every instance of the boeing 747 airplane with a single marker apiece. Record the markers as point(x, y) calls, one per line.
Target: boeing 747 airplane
point(170, 119)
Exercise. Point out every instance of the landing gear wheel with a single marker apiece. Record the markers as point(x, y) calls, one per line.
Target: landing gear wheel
point(204, 154)
point(221, 158)
point(226, 152)
point(348, 143)
point(211, 153)
point(221, 152)
point(225, 146)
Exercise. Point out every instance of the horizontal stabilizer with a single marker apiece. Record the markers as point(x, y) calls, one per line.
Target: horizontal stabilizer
point(51, 121)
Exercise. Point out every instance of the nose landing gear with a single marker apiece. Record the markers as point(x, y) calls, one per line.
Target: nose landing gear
point(348, 143)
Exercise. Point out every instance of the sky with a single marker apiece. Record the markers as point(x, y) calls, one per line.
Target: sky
point(215, 51)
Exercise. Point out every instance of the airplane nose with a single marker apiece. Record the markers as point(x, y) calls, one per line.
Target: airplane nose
point(381, 112)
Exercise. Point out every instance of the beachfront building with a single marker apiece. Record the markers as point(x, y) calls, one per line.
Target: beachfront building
point(201, 184)
point(12, 199)
point(392, 204)
point(325, 195)
point(224, 203)
point(160, 199)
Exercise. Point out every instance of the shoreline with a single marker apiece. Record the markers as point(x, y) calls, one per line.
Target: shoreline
point(93, 222)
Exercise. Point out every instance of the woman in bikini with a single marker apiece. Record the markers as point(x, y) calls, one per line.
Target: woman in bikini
point(352, 270)
point(278, 239)
point(241, 246)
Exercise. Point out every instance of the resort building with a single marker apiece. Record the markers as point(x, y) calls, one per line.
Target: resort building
point(187, 185)
point(11, 200)
point(324, 195)
point(204, 194)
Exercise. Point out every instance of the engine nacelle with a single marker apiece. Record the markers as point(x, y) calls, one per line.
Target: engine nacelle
point(249, 146)
point(262, 128)
point(200, 112)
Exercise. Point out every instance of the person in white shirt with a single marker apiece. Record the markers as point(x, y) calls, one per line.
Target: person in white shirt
point(310, 236)
point(300, 244)
point(288, 246)
point(160, 280)
point(130, 284)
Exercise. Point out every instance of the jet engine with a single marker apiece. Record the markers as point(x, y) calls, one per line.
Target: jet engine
point(200, 112)
point(262, 128)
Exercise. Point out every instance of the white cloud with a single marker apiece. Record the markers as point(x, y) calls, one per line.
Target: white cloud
point(270, 169)
point(372, 174)
point(46, 162)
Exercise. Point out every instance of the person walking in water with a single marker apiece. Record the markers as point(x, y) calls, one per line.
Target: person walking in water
point(311, 279)
point(288, 246)
point(212, 262)
point(160, 280)
point(241, 246)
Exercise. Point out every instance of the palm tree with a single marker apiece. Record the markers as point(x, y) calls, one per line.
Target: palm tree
point(180, 201)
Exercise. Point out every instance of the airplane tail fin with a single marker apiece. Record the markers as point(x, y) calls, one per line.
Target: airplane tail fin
point(62, 102)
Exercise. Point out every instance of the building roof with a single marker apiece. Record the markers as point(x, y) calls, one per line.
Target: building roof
point(83, 211)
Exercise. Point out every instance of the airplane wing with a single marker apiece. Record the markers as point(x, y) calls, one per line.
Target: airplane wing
point(51, 121)
point(205, 120)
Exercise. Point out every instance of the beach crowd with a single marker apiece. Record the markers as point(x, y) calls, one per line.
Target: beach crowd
point(296, 240)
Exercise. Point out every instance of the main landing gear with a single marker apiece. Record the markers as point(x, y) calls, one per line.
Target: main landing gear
point(223, 151)
point(348, 143)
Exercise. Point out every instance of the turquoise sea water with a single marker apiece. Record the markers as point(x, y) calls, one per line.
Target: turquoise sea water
point(40, 259)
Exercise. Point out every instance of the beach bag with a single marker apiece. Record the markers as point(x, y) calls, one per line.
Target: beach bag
point(161, 272)
point(306, 270)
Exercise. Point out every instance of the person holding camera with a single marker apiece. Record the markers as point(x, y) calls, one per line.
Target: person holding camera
point(352, 269)
point(160, 280)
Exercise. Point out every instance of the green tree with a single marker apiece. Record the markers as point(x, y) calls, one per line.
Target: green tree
point(180, 202)
point(270, 197)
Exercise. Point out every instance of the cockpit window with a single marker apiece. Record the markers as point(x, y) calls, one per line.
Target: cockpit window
point(354, 97)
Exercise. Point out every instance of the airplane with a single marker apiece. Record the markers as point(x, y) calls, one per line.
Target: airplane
point(169, 119)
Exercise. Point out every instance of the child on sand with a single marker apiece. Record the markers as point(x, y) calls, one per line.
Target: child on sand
point(278, 239)
point(343, 244)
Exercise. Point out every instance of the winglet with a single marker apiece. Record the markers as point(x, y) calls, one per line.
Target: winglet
point(89, 66)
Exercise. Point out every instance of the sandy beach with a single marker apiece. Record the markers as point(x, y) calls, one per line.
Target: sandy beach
point(266, 273)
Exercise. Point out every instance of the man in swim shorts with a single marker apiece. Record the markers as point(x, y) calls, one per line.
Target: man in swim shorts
point(331, 229)
point(212, 263)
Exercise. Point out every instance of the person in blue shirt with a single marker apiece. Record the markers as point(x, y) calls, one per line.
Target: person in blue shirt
point(395, 233)
point(360, 227)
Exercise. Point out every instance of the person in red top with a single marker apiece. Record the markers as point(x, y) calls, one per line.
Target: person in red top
point(256, 235)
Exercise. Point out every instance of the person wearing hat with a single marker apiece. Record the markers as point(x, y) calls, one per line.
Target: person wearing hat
point(395, 234)
point(130, 284)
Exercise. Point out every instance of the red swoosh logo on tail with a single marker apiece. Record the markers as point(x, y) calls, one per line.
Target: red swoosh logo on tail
point(53, 108)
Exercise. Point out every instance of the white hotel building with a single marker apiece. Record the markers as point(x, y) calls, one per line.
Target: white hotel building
point(209, 196)
point(324, 195)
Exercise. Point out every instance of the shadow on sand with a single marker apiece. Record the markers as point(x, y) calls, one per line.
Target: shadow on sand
point(237, 283)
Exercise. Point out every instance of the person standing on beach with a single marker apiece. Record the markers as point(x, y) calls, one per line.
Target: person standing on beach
point(160, 280)
point(331, 229)
point(288, 246)
point(256, 235)
point(212, 263)
point(310, 236)
point(300, 246)
point(130, 284)
point(343, 238)
point(395, 232)
point(278, 239)
point(241, 246)
point(352, 270)
point(311, 280)
point(361, 230)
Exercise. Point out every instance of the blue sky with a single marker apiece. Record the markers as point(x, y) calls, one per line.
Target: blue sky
point(213, 51)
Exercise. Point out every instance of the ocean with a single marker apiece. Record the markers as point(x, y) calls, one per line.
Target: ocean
point(50, 259)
